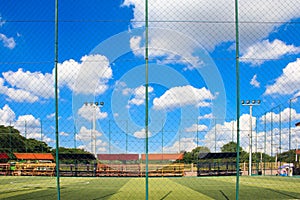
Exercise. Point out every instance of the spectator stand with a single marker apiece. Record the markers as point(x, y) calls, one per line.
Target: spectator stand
point(118, 165)
point(163, 165)
point(217, 164)
point(77, 164)
point(4, 166)
point(34, 164)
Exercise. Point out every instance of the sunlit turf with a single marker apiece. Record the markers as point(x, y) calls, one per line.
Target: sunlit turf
point(256, 187)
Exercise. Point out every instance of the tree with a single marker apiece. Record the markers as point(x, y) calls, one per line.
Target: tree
point(258, 156)
point(71, 151)
point(75, 156)
point(33, 145)
point(12, 141)
point(287, 156)
point(230, 147)
point(192, 157)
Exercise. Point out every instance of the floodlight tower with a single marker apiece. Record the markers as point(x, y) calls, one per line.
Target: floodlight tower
point(297, 125)
point(94, 106)
point(250, 103)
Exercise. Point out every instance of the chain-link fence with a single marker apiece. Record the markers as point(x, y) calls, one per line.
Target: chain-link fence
point(153, 99)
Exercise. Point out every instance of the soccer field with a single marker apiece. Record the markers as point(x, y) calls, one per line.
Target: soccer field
point(159, 188)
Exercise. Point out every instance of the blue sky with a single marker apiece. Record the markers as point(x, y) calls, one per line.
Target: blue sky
point(191, 71)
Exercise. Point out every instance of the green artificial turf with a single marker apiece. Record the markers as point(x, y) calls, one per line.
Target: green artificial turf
point(256, 187)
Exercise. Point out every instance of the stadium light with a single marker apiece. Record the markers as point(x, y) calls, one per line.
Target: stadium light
point(297, 125)
point(93, 135)
point(250, 103)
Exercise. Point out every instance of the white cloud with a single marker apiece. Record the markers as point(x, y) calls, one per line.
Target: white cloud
point(3, 88)
point(100, 146)
point(47, 139)
point(288, 82)
point(7, 42)
point(18, 95)
point(85, 137)
point(64, 134)
point(40, 137)
point(28, 86)
point(221, 134)
point(7, 115)
point(226, 132)
point(254, 81)
point(27, 121)
point(32, 133)
point(85, 134)
point(195, 19)
point(182, 96)
point(30, 127)
point(142, 133)
point(206, 116)
point(135, 45)
point(88, 111)
point(185, 144)
point(296, 97)
point(266, 50)
point(185, 11)
point(160, 46)
point(278, 138)
point(284, 116)
point(94, 68)
point(68, 72)
point(196, 127)
point(51, 116)
point(139, 95)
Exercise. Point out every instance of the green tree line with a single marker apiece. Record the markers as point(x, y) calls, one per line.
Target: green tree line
point(288, 156)
point(11, 141)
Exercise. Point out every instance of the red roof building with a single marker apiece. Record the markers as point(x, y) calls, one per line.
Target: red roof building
point(34, 156)
point(3, 156)
point(118, 156)
point(167, 156)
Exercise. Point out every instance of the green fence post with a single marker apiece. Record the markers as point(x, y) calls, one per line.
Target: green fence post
point(56, 100)
point(146, 95)
point(237, 100)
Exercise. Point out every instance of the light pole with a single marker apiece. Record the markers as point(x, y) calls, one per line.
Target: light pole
point(297, 125)
point(94, 106)
point(250, 104)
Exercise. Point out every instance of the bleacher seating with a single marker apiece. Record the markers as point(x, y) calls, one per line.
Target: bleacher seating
point(34, 164)
point(4, 169)
point(131, 165)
